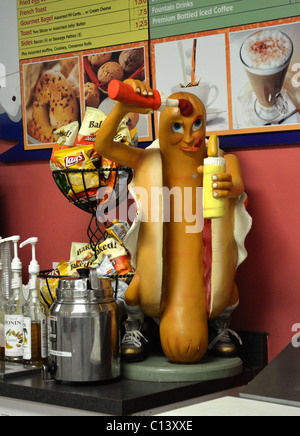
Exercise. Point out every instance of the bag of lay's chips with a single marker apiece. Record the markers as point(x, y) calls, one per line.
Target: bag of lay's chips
point(79, 154)
point(78, 158)
point(66, 139)
point(87, 136)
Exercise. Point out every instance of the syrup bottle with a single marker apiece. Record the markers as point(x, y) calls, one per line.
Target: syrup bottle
point(35, 348)
point(2, 331)
point(13, 310)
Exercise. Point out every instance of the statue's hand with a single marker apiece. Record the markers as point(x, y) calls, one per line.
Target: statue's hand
point(141, 88)
point(222, 185)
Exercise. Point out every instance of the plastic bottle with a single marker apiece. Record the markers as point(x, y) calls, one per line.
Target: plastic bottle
point(124, 93)
point(213, 165)
point(1, 268)
point(2, 335)
point(2, 331)
point(13, 318)
point(35, 348)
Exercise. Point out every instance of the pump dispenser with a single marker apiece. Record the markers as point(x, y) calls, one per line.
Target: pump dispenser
point(214, 164)
point(35, 317)
point(14, 309)
point(6, 265)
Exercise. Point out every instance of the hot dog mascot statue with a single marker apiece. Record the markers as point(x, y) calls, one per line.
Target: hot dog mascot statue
point(185, 276)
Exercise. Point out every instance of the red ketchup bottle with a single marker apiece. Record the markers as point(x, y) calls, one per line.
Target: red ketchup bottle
point(124, 93)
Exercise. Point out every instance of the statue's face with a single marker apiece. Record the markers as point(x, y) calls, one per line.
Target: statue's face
point(180, 134)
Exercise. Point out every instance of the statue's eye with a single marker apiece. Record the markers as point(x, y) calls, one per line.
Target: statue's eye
point(197, 124)
point(177, 128)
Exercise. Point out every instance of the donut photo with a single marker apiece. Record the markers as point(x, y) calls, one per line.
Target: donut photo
point(51, 97)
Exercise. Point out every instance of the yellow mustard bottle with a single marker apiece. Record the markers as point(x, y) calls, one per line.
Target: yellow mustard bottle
point(212, 165)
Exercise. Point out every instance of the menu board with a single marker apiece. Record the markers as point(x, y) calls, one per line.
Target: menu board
point(72, 49)
point(170, 18)
point(72, 37)
point(48, 27)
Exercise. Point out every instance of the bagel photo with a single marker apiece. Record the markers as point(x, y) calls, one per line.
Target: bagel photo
point(52, 98)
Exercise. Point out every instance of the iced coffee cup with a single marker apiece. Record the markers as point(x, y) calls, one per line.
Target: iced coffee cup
point(266, 56)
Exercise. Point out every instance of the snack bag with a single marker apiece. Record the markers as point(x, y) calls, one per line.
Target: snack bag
point(91, 124)
point(67, 134)
point(78, 158)
point(116, 253)
point(81, 251)
point(73, 267)
point(48, 286)
point(81, 187)
point(87, 136)
point(66, 138)
point(106, 268)
point(118, 230)
point(86, 199)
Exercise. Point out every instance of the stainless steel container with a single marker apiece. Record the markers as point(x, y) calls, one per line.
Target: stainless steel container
point(84, 331)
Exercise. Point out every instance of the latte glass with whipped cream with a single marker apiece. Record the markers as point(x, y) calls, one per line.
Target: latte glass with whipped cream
point(266, 56)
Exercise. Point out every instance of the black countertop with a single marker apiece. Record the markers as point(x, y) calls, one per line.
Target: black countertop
point(126, 397)
point(119, 398)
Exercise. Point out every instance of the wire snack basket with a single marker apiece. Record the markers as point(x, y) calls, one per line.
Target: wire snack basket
point(103, 189)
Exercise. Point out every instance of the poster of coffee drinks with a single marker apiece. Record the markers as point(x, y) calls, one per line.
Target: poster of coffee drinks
point(248, 77)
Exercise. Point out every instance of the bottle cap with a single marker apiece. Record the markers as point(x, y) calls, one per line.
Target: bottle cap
point(216, 161)
point(167, 102)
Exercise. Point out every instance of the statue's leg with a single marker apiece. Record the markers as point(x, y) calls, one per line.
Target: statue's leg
point(133, 342)
point(132, 295)
point(222, 342)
